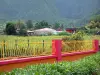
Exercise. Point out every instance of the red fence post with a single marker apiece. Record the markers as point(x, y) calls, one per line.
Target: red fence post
point(56, 49)
point(95, 45)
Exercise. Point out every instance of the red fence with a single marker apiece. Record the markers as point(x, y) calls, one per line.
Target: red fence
point(8, 65)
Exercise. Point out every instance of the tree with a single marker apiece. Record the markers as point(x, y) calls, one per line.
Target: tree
point(29, 24)
point(20, 25)
point(56, 25)
point(42, 24)
point(95, 18)
point(23, 32)
point(94, 25)
point(10, 28)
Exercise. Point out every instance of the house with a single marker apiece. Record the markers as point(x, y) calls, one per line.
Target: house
point(71, 30)
point(44, 31)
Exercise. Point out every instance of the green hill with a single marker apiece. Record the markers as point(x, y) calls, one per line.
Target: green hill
point(63, 11)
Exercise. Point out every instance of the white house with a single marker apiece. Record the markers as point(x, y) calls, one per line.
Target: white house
point(44, 31)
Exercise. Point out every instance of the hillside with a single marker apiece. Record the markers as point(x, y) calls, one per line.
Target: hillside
point(63, 11)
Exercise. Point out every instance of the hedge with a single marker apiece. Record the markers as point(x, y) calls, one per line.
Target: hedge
point(87, 66)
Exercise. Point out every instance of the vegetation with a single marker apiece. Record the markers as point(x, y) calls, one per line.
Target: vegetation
point(76, 42)
point(56, 26)
point(42, 24)
point(77, 36)
point(87, 66)
point(16, 46)
point(20, 28)
point(29, 24)
point(94, 25)
point(10, 29)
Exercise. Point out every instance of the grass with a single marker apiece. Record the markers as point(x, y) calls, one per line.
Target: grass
point(77, 46)
point(32, 38)
point(26, 48)
point(18, 46)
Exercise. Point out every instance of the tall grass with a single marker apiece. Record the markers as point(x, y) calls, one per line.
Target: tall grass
point(18, 46)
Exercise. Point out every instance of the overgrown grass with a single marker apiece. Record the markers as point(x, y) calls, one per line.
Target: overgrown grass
point(76, 42)
point(22, 49)
point(32, 38)
point(18, 46)
point(87, 66)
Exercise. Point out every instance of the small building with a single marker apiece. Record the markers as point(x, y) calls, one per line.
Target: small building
point(71, 30)
point(44, 31)
point(30, 33)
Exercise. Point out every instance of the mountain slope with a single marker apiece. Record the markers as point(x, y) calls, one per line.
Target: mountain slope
point(50, 10)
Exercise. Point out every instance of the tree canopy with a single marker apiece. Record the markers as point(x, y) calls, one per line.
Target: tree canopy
point(42, 24)
point(10, 28)
point(29, 24)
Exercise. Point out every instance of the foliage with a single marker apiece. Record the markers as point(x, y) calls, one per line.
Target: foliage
point(29, 24)
point(94, 25)
point(87, 66)
point(95, 18)
point(74, 42)
point(17, 28)
point(23, 32)
point(56, 26)
point(94, 22)
point(20, 25)
point(10, 28)
point(42, 24)
point(90, 31)
point(77, 36)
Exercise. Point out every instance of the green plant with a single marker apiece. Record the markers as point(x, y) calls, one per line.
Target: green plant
point(75, 42)
point(24, 46)
point(10, 28)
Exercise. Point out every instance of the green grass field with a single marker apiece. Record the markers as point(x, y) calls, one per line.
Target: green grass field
point(20, 46)
point(32, 38)
point(16, 46)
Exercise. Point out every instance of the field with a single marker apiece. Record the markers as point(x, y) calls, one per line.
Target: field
point(20, 46)
point(15, 46)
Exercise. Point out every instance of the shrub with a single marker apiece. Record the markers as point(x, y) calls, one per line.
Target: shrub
point(77, 36)
point(23, 32)
point(73, 42)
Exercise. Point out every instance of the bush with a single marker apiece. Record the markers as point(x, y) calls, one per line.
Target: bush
point(23, 32)
point(87, 66)
point(91, 31)
point(77, 36)
point(73, 42)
